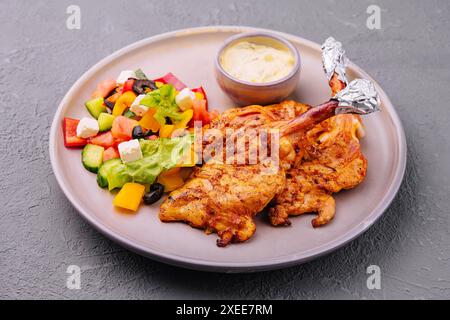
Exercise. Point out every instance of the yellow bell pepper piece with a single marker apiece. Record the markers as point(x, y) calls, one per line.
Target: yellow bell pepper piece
point(199, 96)
point(130, 196)
point(159, 84)
point(166, 130)
point(148, 122)
point(123, 102)
point(186, 117)
point(171, 179)
point(189, 159)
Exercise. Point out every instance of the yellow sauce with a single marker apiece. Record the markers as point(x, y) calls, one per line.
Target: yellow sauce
point(257, 63)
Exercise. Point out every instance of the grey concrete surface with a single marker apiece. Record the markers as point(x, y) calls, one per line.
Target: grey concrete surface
point(41, 233)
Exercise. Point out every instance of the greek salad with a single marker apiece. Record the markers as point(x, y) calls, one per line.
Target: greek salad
point(139, 138)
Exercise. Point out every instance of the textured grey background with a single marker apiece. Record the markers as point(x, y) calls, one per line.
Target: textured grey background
point(41, 234)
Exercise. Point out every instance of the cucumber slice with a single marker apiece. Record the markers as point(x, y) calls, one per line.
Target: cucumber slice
point(95, 107)
point(105, 168)
point(105, 121)
point(92, 157)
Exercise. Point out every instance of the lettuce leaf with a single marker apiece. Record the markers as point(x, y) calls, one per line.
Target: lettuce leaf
point(163, 99)
point(158, 155)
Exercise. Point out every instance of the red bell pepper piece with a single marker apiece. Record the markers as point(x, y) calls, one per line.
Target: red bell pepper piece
point(171, 79)
point(128, 85)
point(70, 134)
point(202, 91)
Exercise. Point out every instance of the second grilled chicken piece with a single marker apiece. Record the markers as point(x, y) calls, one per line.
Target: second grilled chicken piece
point(331, 161)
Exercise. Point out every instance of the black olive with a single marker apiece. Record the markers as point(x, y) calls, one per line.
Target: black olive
point(140, 85)
point(168, 120)
point(156, 192)
point(149, 133)
point(138, 133)
point(157, 187)
point(109, 104)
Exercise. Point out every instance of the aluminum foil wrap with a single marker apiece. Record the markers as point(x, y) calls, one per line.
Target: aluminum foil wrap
point(358, 97)
point(334, 59)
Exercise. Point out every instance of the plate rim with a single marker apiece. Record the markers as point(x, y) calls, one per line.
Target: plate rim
point(204, 265)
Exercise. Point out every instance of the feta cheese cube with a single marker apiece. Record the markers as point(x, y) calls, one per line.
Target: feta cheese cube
point(130, 151)
point(185, 98)
point(124, 75)
point(87, 127)
point(136, 106)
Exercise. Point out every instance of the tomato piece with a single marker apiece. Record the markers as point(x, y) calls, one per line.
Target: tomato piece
point(201, 114)
point(104, 139)
point(104, 88)
point(122, 128)
point(199, 107)
point(110, 153)
point(119, 141)
point(171, 79)
point(70, 134)
point(203, 93)
point(128, 85)
point(210, 116)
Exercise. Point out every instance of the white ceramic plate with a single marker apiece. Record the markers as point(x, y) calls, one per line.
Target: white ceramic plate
point(189, 54)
